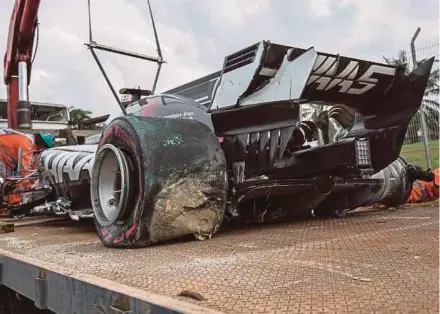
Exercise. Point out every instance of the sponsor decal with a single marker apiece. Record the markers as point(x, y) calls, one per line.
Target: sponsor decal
point(105, 136)
point(124, 137)
point(327, 75)
point(181, 115)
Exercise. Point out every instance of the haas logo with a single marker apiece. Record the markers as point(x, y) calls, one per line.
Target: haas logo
point(348, 80)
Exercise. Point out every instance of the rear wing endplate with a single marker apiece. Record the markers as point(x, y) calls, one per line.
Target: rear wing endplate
point(270, 73)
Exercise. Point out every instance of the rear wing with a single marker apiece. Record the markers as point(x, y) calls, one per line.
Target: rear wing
point(270, 73)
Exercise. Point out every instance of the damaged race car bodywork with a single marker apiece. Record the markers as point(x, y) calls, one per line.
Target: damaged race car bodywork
point(236, 146)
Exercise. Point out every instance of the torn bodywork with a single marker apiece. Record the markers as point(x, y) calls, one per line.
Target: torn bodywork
point(62, 186)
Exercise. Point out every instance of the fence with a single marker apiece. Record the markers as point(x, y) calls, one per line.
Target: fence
point(414, 147)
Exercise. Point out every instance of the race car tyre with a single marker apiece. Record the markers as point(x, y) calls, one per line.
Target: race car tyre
point(157, 179)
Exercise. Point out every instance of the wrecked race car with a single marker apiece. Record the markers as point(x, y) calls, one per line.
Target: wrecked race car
point(239, 146)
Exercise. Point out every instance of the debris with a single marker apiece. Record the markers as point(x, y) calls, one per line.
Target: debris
point(6, 227)
point(191, 294)
point(381, 221)
point(361, 279)
point(36, 221)
point(202, 237)
point(340, 214)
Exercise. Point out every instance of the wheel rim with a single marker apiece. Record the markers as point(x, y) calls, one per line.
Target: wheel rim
point(112, 184)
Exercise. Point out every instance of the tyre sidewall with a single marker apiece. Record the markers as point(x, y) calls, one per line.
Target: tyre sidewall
point(127, 231)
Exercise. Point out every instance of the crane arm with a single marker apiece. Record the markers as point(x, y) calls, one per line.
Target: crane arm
point(18, 61)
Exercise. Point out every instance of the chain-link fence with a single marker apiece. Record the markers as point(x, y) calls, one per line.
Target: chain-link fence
point(414, 148)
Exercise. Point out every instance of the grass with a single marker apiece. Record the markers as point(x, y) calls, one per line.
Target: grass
point(415, 153)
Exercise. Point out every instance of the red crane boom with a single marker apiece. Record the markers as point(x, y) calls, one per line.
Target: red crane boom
point(19, 56)
point(18, 61)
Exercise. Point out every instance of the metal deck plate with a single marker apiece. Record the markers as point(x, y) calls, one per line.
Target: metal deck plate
point(373, 261)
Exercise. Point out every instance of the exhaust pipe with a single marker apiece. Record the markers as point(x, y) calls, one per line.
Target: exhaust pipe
point(396, 186)
point(394, 189)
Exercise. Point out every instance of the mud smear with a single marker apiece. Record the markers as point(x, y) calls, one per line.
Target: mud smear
point(187, 206)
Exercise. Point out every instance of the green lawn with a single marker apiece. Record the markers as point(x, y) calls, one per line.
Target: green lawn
point(415, 153)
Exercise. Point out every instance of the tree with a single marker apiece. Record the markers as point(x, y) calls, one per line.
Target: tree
point(430, 100)
point(77, 115)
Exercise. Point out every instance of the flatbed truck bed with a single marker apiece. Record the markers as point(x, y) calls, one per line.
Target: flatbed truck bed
point(372, 261)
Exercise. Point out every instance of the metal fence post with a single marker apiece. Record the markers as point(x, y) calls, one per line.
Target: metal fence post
point(422, 107)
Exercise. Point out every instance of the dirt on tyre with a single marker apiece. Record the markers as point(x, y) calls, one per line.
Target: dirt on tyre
point(157, 179)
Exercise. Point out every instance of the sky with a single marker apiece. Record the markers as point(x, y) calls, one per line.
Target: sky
point(196, 35)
